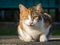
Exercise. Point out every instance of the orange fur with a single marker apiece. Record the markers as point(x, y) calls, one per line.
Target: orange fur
point(47, 24)
point(21, 26)
point(24, 14)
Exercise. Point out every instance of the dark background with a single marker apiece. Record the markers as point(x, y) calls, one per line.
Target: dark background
point(9, 10)
point(9, 14)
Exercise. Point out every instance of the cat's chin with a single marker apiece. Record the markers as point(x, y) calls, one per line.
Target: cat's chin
point(30, 25)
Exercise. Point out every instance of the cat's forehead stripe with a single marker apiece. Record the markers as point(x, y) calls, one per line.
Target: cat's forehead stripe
point(27, 12)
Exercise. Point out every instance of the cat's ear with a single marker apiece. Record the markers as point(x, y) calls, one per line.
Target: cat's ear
point(38, 6)
point(22, 7)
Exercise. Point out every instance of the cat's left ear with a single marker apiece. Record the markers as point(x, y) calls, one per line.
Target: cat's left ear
point(38, 6)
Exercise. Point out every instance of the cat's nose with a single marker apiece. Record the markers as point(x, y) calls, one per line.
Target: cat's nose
point(31, 24)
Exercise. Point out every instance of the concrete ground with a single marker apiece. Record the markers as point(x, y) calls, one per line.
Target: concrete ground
point(13, 40)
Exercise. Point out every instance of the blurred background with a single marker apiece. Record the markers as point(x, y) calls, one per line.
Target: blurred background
point(9, 14)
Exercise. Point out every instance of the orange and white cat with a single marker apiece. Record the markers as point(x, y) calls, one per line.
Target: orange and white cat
point(34, 24)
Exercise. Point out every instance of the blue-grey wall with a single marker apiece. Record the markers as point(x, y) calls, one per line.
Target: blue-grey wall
point(27, 3)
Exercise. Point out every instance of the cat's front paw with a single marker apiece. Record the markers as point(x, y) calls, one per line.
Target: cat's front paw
point(43, 38)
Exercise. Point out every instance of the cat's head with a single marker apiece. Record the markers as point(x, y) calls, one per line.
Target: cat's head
point(31, 16)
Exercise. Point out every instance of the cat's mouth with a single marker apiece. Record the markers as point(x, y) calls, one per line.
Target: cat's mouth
point(31, 25)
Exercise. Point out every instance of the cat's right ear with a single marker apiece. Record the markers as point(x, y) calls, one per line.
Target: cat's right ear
point(21, 7)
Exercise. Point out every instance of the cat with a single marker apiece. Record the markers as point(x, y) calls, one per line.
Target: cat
point(34, 24)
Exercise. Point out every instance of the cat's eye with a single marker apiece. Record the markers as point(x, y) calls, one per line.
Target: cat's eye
point(37, 13)
point(35, 17)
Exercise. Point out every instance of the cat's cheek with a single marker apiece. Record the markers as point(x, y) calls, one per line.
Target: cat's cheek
point(26, 22)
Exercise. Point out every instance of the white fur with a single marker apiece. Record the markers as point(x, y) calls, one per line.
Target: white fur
point(43, 38)
point(32, 33)
point(24, 36)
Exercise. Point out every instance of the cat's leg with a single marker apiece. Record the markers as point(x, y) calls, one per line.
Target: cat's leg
point(25, 36)
point(47, 30)
point(43, 37)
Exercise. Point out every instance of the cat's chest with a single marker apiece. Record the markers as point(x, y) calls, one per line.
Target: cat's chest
point(34, 31)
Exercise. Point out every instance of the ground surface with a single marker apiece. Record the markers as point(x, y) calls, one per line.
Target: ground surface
point(33, 43)
point(13, 40)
